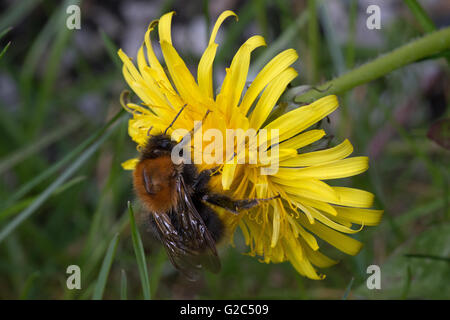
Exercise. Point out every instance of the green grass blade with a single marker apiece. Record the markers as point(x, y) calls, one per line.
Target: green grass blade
point(4, 49)
point(106, 266)
point(55, 54)
point(21, 205)
point(408, 280)
point(29, 285)
point(111, 48)
point(37, 145)
point(54, 168)
point(283, 42)
point(4, 32)
point(424, 20)
point(123, 285)
point(421, 15)
point(17, 11)
point(140, 255)
point(350, 52)
point(313, 41)
point(157, 269)
point(428, 256)
point(37, 49)
point(334, 48)
point(348, 289)
point(10, 227)
point(98, 252)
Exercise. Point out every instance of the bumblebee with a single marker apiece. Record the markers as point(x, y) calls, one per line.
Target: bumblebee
point(178, 201)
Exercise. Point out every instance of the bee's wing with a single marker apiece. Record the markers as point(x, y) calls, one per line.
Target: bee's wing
point(176, 248)
point(190, 247)
point(198, 233)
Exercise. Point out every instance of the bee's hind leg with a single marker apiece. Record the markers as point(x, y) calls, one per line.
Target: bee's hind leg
point(231, 205)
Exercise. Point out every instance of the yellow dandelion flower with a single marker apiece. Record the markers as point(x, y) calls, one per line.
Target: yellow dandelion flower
point(279, 230)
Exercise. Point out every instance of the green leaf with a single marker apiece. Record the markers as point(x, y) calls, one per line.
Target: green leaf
point(427, 277)
point(106, 266)
point(140, 255)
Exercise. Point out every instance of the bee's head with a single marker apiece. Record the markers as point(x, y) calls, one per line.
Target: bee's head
point(158, 146)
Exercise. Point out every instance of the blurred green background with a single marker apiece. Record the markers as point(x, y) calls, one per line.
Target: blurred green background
point(63, 193)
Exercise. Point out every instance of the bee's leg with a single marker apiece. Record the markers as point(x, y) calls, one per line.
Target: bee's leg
point(201, 182)
point(231, 205)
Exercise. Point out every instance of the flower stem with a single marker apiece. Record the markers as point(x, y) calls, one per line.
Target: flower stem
point(429, 45)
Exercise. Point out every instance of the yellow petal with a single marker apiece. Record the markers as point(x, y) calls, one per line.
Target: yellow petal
point(316, 157)
point(321, 205)
point(219, 22)
point(270, 97)
point(129, 66)
point(130, 164)
point(205, 69)
point(330, 170)
point(160, 75)
point(302, 118)
point(245, 232)
point(181, 76)
point(354, 197)
point(318, 259)
point(309, 188)
point(275, 66)
point(275, 225)
point(236, 76)
point(300, 263)
point(328, 222)
point(164, 27)
point(132, 108)
point(340, 241)
point(309, 239)
point(303, 139)
point(367, 217)
point(228, 175)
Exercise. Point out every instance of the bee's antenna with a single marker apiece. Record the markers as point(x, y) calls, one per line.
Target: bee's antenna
point(149, 130)
point(203, 120)
point(206, 114)
point(192, 132)
point(175, 119)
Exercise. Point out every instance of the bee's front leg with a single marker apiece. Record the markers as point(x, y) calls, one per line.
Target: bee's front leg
point(231, 205)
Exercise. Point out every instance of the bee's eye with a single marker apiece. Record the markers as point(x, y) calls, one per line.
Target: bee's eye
point(165, 144)
point(156, 152)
